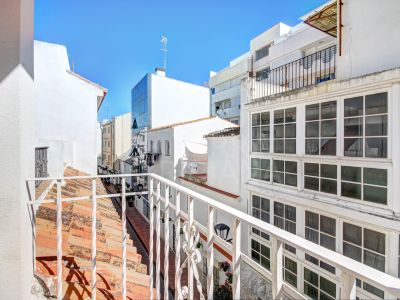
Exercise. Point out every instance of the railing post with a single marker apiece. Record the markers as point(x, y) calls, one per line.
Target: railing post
point(347, 286)
point(158, 252)
point(151, 246)
point(59, 241)
point(177, 241)
point(94, 221)
point(276, 268)
point(210, 254)
point(236, 257)
point(123, 199)
point(166, 242)
point(189, 264)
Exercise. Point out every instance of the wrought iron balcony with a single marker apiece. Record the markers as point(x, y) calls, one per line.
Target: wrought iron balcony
point(169, 208)
point(304, 72)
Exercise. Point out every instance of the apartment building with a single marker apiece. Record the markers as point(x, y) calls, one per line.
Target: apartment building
point(116, 139)
point(320, 150)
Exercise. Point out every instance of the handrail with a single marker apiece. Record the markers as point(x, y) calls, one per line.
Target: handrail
point(380, 279)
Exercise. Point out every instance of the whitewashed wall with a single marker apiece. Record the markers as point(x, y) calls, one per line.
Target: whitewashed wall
point(65, 110)
point(122, 131)
point(370, 37)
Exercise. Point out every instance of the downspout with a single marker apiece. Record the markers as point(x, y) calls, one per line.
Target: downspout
point(340, 3)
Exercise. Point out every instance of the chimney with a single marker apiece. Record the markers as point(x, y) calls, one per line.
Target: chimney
point(160, 71)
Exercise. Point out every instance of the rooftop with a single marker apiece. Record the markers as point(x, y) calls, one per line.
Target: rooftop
point(173, 125)
point(231, 131)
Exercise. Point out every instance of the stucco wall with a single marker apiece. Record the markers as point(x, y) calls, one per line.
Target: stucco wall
point(66, 112)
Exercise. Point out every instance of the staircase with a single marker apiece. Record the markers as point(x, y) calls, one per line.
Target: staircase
point(76, 247)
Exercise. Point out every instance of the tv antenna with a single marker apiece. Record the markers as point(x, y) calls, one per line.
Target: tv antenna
point(164, 42)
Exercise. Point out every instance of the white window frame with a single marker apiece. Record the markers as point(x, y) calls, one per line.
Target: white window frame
point(319, 177)
point(284, 123)
point(284, 172)
point(259, 139)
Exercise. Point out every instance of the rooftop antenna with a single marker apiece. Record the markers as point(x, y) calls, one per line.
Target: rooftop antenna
point(164, 42)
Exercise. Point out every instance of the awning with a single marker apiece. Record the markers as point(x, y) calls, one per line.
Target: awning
point(324, 18)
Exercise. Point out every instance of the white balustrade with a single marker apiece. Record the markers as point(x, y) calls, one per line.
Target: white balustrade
point(349, 268)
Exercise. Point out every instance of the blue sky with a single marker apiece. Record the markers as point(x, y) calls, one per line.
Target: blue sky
point(115, 43)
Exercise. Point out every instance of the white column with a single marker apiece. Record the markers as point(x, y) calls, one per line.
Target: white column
point(210, 253)
point(17, 147)
point(94, 221)
point(236, 258)
point(123, 200)
point(347, 286)
point(276, 268)
point(166, 242)
point(151, 246)
point(59, 241)
point(177, 241)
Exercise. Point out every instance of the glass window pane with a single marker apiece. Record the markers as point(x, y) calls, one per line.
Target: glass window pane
point(291, 265)
point(256, 201)
point(264, 145)
point(278, 116)
point(265, 164)
point(311, 277)
point(351, 174)
point(353, 127)
point(255, 163)
point(329, 171)
point(255, 174)
point(265, 132)
point(265, 175)
point(265, 217)
point(265, 263)
point(376, 147)
point(255, 120)
point(327, 286)
point(278, 131)
point(291, 166)
point(311, 169)
point(351, 190)
point(352, 233)
point(255, 245)
point(290, 130)
point(290, 227)
point(328, 146)
point(375, 194)
point(265, 118)
point(311, 183)
point(255, 146)
point(279, 165)
point(311, 235)
point(375, 176)
point(374, 241)
point(376, 125)
point(352, 251)
point(311, 259)
point(264, 204)
point(290, 146)
point(328, 128)
point(278, 209)
point(310, 291)
point(291, 180)
point(290, 213)
point(329, 186)
point(312, 129)
point(328, 225)
point(278, 146)
point(312, 220)
point(374, 260)
point(256, 213)
point(312, 146)
point(373, 290)
point(278, 222)
point(327, 267)
point(291, 278)
point(353, 147)
point(255, 133)
point(279, 177)
point(353, 106)
point(327, 241)
point(312, 112)
point(255, 256)
point(376, 104)
point(290, 114)
point(328, 110)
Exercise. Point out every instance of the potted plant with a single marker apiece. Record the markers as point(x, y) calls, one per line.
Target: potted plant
point(224, 266)
point(223, 292)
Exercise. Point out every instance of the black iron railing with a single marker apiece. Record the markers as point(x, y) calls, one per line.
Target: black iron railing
point(307, 71)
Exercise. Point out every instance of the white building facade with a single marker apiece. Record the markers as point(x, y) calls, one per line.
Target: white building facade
point(320, 160)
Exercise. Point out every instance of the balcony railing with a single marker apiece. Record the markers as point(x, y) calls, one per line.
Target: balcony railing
point(184, 220)
point(304, 72)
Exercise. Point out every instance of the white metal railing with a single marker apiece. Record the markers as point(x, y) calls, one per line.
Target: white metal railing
point(349, 268)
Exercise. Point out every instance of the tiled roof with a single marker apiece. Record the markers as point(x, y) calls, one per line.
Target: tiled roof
point(76, 245)
point(231, 131)
point(180, 124)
